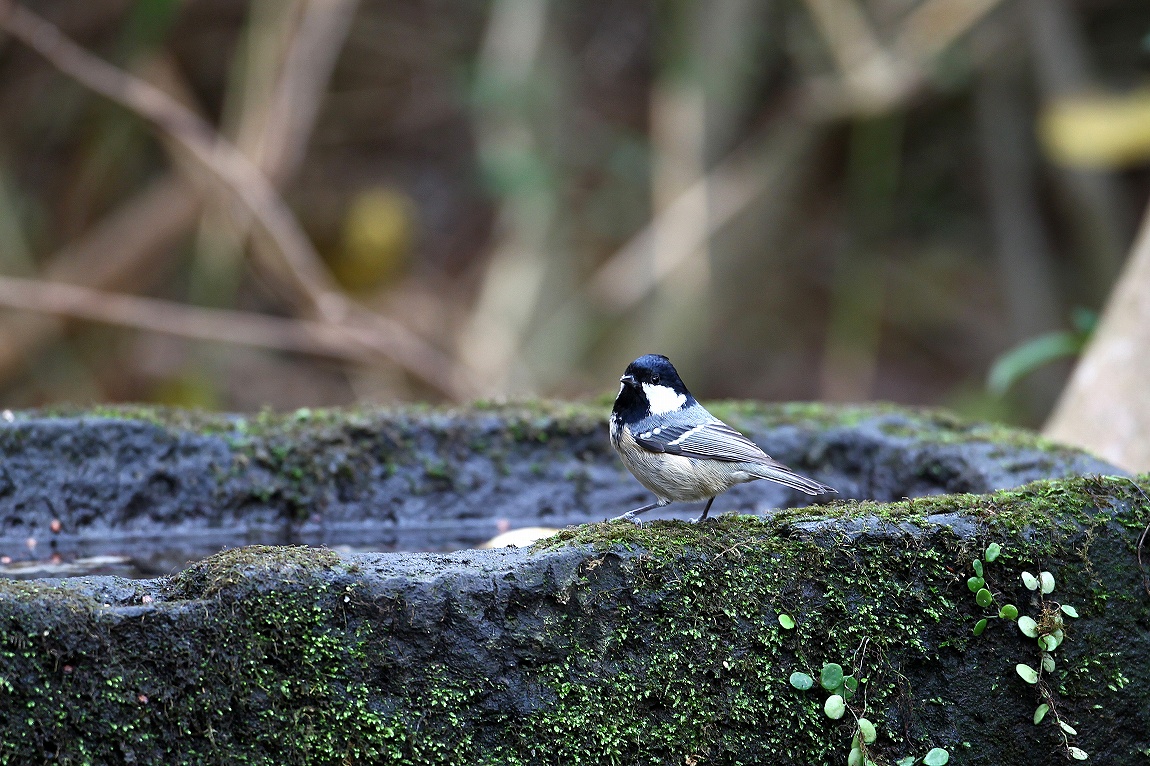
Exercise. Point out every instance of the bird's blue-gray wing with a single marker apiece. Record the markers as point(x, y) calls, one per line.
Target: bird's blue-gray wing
point(714, 440)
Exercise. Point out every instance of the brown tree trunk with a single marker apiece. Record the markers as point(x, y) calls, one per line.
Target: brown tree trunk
point(1106, 406)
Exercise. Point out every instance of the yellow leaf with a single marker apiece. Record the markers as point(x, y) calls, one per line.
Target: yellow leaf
point(377, 233)
point(1098, 131)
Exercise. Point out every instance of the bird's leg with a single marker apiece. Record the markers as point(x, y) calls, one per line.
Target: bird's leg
point(630, 515)
point(706, 509)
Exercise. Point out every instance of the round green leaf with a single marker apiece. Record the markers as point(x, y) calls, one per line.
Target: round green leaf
point(1067, 728)
point(936, 757)
point(1040, 713)
point(832, 676)
point(866, 728)
point(851, 683)
point(1029, 674)
point(975, 584)
point(1030, 581)
point(1048, 663)
point(1046, 580)
point(1069, 611)
point(980, 626)
point(835, 707)
point(787, 621)
point(855, 758)
point(1028, 626)
point(1047, 643)
point(992, 552)
point(1078, 754)
point(801, 681)
point(908, 761)
point(1058, 635)
point(1008, 612)
point(977, 567)
point(983, 598)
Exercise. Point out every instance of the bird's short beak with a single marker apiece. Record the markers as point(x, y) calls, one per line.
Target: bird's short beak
point(629, 380)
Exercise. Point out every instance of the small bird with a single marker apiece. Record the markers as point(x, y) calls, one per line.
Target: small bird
point(677, 449)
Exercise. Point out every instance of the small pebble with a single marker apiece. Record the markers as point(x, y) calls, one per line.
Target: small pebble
point(55, 526)
point(9, 416)
point(143, 698)
point(5, 560)
point(146, 599)
point(67, 668)
point(31, 543)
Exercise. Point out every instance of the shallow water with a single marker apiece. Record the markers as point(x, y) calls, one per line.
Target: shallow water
point(150, 555)
point(144, 556)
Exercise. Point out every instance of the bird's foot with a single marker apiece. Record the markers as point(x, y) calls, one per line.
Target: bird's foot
point(630, 515)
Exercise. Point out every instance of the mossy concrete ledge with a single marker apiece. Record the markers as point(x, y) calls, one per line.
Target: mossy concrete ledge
point(419, 478)
point(607, 644)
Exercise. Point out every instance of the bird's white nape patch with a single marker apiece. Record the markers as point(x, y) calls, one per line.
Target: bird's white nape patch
point(663, 399)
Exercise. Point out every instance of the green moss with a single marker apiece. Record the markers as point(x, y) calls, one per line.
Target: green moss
point(665, 649)
point(713, 686)
point(299, 461)
point(1037, 508)
point(539, 420)
point(231, 567)
point(40, 591)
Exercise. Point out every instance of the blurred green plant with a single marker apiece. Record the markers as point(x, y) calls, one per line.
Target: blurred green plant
point(148, 25)
point(1039, 351)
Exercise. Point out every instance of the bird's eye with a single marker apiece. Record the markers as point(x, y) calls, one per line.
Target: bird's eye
point(655, 378)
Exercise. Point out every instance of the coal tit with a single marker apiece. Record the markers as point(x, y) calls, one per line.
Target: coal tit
point(677, 449)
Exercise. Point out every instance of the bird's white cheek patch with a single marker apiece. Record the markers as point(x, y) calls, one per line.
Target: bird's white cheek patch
point(663, 399)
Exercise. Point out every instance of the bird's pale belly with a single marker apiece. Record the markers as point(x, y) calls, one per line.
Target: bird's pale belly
point(674, 477)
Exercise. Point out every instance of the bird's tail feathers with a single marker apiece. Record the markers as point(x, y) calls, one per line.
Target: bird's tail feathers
point(781, 474)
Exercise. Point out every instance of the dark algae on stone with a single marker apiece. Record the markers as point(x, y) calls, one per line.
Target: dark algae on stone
point(423, 478)
point(605, 644)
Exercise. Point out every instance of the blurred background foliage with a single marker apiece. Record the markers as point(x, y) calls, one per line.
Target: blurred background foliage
point(794, 199)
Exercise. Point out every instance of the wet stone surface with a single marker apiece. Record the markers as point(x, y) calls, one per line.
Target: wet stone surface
point(144, 492)
point(606, 643)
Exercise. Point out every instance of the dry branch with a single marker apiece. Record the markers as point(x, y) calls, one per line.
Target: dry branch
point(250, 188)
point(154, 315)
point(621, 282)
point(285, 62)
point(118, 253)
point(194, 134)
point(629, 276)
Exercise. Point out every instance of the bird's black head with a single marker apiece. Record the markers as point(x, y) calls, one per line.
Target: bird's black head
point(650, 386)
